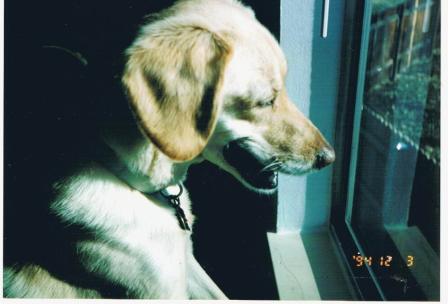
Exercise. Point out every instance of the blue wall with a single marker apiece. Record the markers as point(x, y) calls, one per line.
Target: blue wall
point(313, 81)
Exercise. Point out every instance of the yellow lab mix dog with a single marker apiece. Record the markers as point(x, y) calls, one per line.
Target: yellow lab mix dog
point(205, 81)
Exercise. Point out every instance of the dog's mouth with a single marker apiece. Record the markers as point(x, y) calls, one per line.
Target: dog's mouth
point(256, 171)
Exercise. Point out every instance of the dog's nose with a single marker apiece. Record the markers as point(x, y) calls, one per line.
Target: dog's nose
point(324, 157)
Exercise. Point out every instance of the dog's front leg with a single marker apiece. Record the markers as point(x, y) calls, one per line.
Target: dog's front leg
point(200, 285)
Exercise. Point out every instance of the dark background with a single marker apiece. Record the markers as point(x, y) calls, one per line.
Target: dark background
point(63, 61)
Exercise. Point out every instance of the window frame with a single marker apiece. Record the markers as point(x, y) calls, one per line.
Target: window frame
point(356, 39)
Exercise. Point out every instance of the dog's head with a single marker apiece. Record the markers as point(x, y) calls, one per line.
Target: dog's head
point(204, 78)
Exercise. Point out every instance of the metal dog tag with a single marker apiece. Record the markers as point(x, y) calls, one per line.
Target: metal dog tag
point(173, 191)
point(172, 194)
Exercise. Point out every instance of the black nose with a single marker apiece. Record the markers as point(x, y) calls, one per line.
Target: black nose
point(324, 158)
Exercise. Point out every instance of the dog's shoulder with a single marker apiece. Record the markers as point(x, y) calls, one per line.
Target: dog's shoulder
point(96, 198)
point(115, 231)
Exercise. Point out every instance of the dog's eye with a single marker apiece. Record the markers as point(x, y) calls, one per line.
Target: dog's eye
point(266, 103)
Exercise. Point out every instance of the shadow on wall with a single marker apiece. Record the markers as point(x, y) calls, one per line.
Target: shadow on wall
point(230, 233)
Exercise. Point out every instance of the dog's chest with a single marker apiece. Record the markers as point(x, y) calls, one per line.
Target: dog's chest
point(140, 227)
point(136, 237)
point(98, 199)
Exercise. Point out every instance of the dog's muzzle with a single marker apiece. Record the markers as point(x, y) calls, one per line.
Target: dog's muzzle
point(241, 155)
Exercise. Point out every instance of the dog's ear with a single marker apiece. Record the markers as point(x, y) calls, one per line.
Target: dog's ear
point(173, 79)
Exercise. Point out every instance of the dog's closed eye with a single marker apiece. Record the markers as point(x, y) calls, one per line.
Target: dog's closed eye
point(265, 103)
point(268, 101)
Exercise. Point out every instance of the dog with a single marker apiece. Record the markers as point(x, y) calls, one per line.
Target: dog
point(204, 81)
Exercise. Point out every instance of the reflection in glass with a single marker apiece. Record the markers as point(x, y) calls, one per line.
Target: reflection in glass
point(396, 203)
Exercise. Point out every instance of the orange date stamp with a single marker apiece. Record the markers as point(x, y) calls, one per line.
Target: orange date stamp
point(382, 261)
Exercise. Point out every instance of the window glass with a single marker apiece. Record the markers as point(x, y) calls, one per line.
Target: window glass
point(395, 209)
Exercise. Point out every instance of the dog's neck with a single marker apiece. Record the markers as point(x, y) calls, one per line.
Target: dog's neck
point(155, 171)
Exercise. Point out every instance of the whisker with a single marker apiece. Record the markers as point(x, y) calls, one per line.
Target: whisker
point(272, 166)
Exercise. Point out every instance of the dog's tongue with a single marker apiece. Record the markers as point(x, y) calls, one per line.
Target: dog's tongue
point(246, 162)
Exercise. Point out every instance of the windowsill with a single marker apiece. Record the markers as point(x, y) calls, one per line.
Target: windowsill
point(307, 267)
point(426, 268)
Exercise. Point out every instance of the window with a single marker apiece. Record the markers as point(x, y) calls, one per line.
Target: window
point(386, 209)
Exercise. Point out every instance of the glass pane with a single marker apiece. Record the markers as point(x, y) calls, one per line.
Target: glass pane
point(395, 212)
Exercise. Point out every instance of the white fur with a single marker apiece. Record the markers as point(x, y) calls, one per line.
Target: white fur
point(137, 234)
